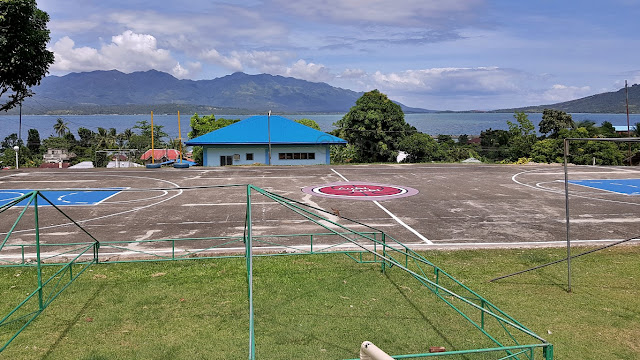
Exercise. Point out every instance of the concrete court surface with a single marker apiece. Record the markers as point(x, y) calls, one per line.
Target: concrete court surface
point(458, 205)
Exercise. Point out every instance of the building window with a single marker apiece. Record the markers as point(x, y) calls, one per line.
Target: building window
point(249, 156)
point(296, 156)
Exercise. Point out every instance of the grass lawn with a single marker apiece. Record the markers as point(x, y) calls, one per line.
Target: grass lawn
point(324, 306)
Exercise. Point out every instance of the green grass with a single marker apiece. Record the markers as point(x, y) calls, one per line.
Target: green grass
point(323, 307)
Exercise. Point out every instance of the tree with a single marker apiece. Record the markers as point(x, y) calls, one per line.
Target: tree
point(310, 123)
point(419, 147)
point(494, 143)
point(607, 129)
point(57, 142)
point(24, 58)
point(142, 141)
point(522, 136)
point(342, 154)
point(86, 137)
point(554, 120)
point(8, 157)
point(126, 135)
point(375, 126)
point(33, 141)
point(446, 140)
point(547, 151)
point(10, 141)
point(60, 127)
point(105, 139)
point(204, 125)
point(588, 125)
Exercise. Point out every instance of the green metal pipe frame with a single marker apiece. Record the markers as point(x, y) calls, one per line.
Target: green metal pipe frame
point(374, 239)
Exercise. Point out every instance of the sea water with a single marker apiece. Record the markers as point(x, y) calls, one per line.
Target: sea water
point(429, 123)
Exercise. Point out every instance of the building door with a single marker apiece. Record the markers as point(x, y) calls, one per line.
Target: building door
point(226, 160)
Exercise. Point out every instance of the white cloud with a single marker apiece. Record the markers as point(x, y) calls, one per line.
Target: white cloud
point(352, 74)
point(126, 52)
point(425, 13)
point(309, 71)
point(272, 62)
point(179, 72)
point(228, 62)
point(445, 81)
point(561, 93)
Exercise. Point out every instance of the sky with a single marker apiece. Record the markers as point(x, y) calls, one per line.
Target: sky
point(432, 54)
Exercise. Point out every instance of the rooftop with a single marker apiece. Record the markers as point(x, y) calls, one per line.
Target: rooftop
point(262, 129)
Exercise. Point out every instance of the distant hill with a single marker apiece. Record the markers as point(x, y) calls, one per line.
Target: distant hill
point(609, 103)
point(114, 92)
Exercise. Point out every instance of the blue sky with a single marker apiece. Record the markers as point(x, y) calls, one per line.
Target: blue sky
point(434, 54)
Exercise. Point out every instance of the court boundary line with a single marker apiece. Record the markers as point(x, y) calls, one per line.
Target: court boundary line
point(176, 188)
point(573, 182)
point(68, 193)
point(513, 178)
point(420, 236)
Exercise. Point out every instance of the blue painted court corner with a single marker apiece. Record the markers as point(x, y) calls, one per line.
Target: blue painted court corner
point(60, 197)
point(618, 186)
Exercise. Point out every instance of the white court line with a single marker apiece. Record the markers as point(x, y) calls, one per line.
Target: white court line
point(179, 192)
point(322, 247)
point(230, 204)
point(561, 191)
point(427, 241)
point(47, 181)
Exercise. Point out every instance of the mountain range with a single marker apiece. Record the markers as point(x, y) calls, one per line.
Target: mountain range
point(114, 92)
point(606, 103)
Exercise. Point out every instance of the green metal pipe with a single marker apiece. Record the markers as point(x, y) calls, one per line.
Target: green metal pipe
point(38, 261)
point(472, 351)
point(31, 196)
point(249, 260)
point(302, 212)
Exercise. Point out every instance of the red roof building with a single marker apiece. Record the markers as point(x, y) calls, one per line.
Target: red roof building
point(161, 155)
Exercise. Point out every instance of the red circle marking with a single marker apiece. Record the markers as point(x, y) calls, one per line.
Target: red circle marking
point(360, 191)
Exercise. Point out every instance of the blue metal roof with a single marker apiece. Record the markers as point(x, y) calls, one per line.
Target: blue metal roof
point(254, 130)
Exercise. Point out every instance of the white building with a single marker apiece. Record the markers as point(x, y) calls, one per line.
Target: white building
point(250, 141)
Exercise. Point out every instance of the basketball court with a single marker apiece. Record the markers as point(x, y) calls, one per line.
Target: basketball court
point(422, 205)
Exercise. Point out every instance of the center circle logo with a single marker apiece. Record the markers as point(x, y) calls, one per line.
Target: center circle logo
point(360, 191)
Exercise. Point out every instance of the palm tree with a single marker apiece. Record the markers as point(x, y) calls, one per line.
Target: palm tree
point(105, 138)
point(60, 127)
point(126, 134)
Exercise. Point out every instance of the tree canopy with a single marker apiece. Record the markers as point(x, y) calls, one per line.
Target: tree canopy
point(522, 136)
point(555, 120)
point(310, 123)
point(24, 58)
point(374, 126)
point(204, 125)
point(419, 148)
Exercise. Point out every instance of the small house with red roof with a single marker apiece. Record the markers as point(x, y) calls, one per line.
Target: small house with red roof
point(161, 156)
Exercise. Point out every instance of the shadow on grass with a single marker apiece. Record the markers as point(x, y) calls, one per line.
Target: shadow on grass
point(73, 323)
point(422, 314)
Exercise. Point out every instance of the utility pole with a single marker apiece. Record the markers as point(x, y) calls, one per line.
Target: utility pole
point(20, 126)
point(269, 133)
point(626, 93)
